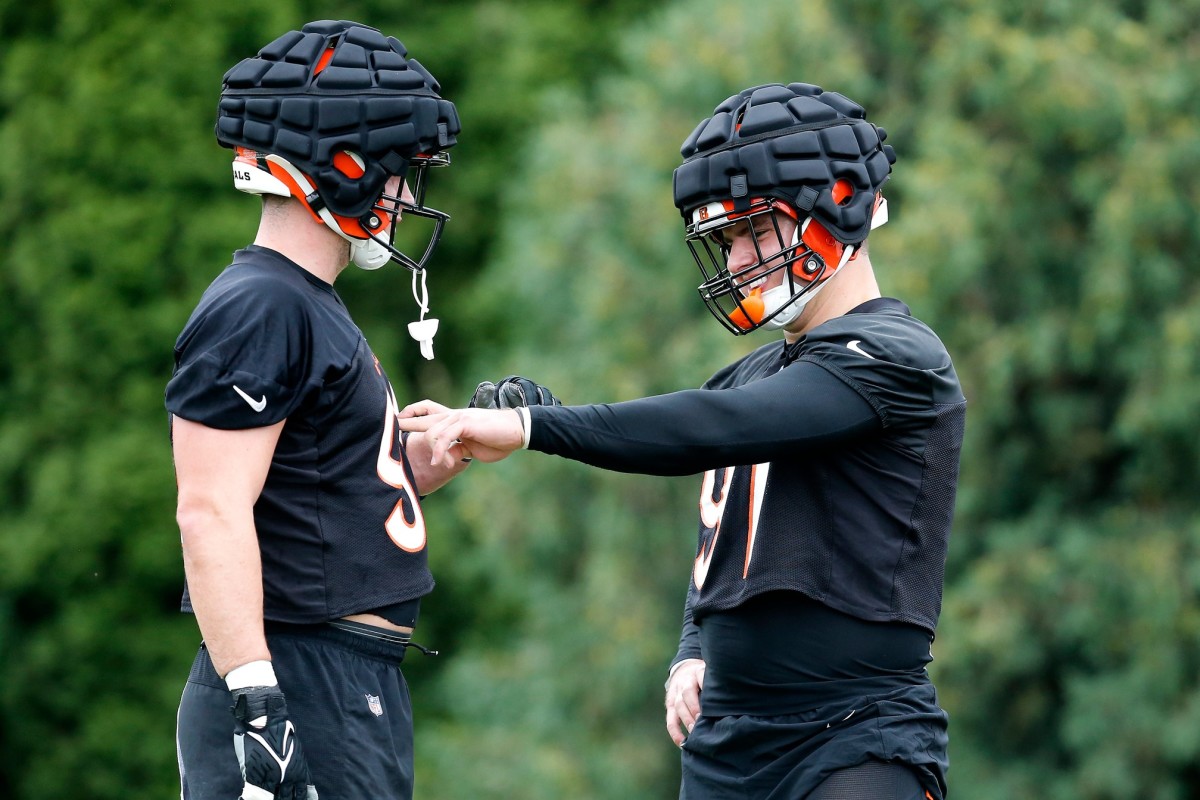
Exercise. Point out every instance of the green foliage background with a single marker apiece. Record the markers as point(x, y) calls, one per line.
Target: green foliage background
point(1044, 221)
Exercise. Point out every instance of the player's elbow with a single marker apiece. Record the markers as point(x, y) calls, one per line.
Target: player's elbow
point(197, 515)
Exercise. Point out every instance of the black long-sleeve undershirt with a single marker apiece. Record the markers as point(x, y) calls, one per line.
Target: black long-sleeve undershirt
point(682, 433)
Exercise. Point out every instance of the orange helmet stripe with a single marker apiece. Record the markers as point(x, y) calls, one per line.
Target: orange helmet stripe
point(324, 60)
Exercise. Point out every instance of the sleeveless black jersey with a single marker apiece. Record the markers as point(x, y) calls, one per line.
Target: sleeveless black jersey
point(830, 466)
point(339, 523)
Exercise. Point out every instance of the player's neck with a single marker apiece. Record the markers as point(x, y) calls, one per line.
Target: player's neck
point(291, 231)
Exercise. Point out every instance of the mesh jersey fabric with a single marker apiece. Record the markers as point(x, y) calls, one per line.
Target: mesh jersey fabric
point(269, 341)
point(830, 464)
point(874, 780)
point(862, 526)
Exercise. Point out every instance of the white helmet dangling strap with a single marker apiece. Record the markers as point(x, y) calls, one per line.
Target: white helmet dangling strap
point(423, 330)
point(368, 254)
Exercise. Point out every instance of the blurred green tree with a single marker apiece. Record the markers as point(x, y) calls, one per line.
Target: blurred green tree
point(110, 199)
point(1053, 196)
point(117, 212)
point(1044, 210)
point(1044, 215)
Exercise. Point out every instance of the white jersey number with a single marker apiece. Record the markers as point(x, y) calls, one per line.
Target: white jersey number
point(714, 495)
point(407, 535)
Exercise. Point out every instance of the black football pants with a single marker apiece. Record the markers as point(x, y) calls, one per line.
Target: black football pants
point(348, 701)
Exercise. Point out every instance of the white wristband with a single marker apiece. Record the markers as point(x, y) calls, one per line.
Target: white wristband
point(526, 425)
point(256, 673)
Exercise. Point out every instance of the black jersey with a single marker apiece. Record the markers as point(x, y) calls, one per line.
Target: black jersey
point(339, 523)
point(830, 465)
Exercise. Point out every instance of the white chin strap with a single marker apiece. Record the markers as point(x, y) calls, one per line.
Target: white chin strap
point(367, 254)
point(364, 253)
point(779, 297)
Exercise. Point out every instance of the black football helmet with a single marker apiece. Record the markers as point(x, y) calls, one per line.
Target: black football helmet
point(327, 115)
point(795, 161)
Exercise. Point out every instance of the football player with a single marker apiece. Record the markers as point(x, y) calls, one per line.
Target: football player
point(830, 462)
point(299, 505)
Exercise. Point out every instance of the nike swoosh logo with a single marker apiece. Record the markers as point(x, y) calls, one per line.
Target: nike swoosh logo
point(257, 405)
point(287, 745)
point(852, 345)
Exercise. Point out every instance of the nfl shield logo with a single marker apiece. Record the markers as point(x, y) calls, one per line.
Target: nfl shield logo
point(374, 704)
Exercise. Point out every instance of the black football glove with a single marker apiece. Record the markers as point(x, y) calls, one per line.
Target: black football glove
point(512, 392)
point(272, 762)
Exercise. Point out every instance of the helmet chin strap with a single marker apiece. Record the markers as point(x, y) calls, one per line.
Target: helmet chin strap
point(370, 254)
point(366, 254)
point(778, 298)
point(793, 305)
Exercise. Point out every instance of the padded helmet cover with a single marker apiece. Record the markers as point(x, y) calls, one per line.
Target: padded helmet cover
point(792, 142)
point(298, 102)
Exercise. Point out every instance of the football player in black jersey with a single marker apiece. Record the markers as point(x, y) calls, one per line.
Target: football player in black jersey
point(830, 461)
point(299, 499)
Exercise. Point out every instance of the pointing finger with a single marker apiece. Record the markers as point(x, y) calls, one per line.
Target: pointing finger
point(422, 408)
point(419, 424)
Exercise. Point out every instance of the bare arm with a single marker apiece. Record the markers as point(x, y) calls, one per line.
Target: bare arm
point(449, 434)
point(220, 474)
point(429, 475)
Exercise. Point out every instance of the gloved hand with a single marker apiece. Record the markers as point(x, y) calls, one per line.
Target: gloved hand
point(512, 392)
point(272, 762)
